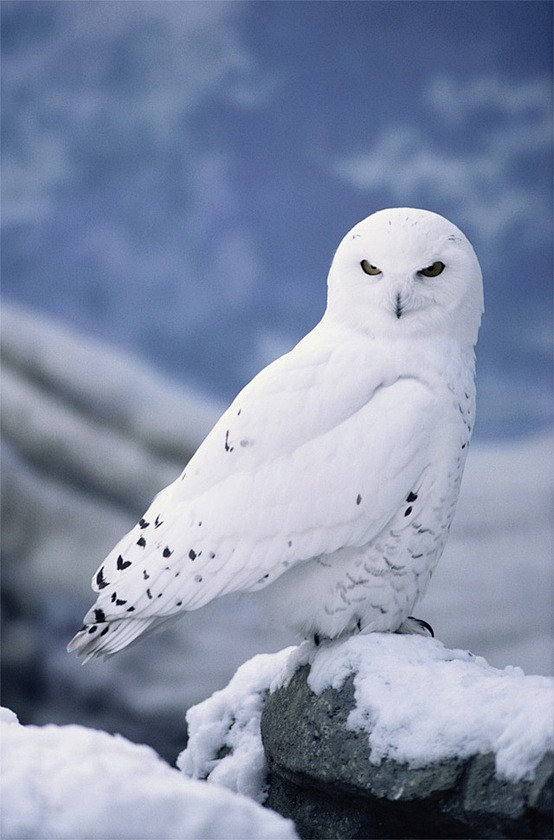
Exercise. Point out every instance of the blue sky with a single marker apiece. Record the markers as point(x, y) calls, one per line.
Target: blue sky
point(176, 176)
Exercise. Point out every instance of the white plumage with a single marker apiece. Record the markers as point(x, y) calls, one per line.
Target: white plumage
point(331, 481)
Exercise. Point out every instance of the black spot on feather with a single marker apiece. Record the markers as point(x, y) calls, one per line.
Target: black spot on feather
point(412, 497)
point(122, 564)
point(192, 554)
point(143, 523)
point(149, 594)
point(130, 609)
point(179, 604)
point(100, 582)
point(145, 574)
point(358, 499)
point(99, 615)
point(114, 596)
point(167, 552)
point(158, 521)
point(142, 542)
point(93, 628)
point(105, 630)
point(120, 602)
point(228, 448)
point(408, 511)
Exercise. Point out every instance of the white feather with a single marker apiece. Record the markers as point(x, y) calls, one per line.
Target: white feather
point(331, 480)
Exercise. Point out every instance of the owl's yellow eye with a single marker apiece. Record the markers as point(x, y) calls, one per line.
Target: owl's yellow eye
point(432, 270)
point(369, 269)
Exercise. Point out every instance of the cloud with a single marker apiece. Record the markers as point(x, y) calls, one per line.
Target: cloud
point(455, 101)
point(481, 184)
point(109, 85)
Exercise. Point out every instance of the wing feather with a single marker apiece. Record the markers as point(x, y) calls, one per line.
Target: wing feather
point(305, 461)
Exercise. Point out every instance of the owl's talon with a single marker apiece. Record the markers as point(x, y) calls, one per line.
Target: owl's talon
point(416, 627)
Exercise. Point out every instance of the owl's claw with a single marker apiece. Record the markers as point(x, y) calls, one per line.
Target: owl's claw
point(416, 627)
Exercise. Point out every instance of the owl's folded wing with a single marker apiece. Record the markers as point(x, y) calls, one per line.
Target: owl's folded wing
point(302, 464)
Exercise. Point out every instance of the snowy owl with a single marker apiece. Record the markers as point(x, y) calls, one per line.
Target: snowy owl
point(330, 483)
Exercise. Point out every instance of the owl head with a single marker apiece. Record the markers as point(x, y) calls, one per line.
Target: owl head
point(403, 273)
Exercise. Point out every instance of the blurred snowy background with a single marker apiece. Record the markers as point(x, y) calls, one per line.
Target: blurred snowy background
point(175, 178)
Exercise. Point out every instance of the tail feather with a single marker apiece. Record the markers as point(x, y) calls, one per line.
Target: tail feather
point(109, 637)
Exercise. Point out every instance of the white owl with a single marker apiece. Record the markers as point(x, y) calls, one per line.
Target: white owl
point(331, 481)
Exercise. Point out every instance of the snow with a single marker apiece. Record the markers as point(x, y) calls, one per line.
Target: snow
point(418, 701)
point(77, 783)
point(229, 721)
point(111, 386)
point(423, 703)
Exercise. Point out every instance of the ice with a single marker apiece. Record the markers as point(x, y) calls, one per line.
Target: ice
point(74, 783)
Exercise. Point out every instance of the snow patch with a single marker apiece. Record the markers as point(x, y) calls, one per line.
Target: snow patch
point(77, 783)
point(419, 702)
point(225, 744)
point(423, 703)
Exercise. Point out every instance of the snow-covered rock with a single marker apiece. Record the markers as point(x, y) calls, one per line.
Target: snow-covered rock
point(86, 421)
point(73, 783)
point(105, 384)
point(89, 436)
point(377, 720)
point(224, 745)
point(72, 406)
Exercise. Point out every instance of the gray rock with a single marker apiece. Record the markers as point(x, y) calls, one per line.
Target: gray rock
point(484, 793)
point(541, 790)
point(321, 777)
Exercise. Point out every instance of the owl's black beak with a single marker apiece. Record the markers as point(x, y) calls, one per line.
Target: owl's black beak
point(398, 305)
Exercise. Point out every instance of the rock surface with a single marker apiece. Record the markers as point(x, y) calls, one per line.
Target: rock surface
point(321, 776)
point(382, 736)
